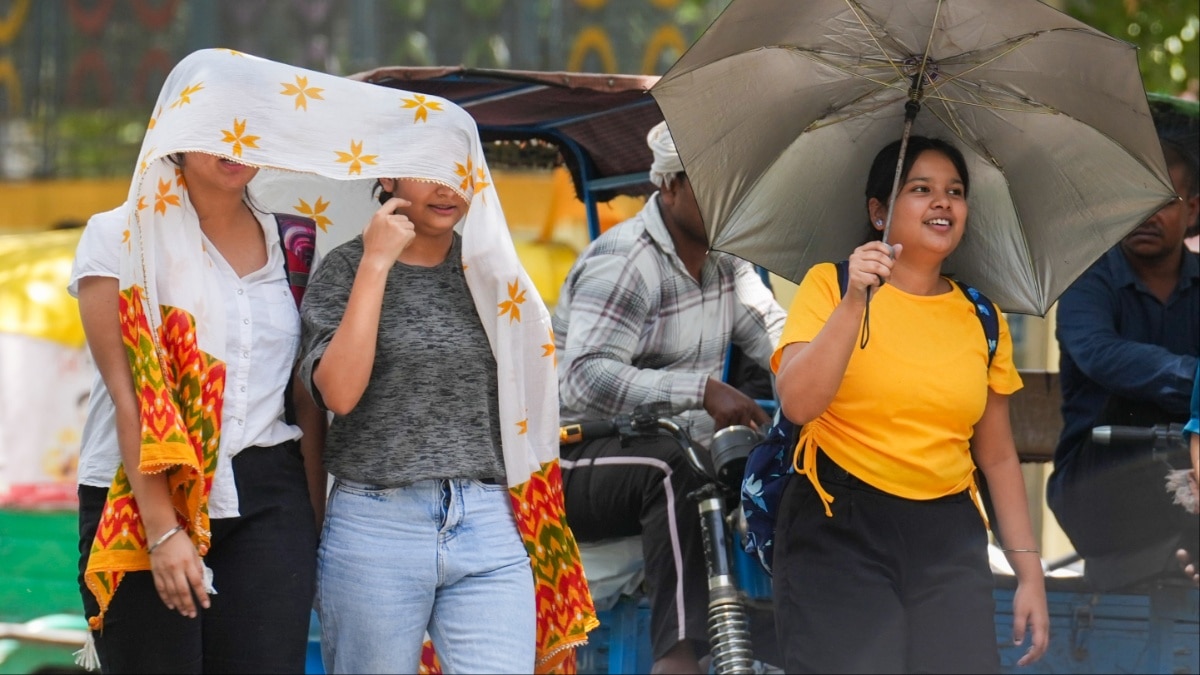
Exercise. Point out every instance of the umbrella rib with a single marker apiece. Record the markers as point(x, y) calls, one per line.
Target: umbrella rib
point(928, 44)
point(950, 120)
point(1015, 44)
point(828, 121)
point(859, 13)
point(1034, 107)
point(846, 70)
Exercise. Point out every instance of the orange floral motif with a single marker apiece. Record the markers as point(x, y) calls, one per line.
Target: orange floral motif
point(164, 198)
point(523, 425)
point(302, 92)
point(480, 180)
point(145, 161)
point(423, 107)
point(239, 138)
point(355, 157)
point(185, 96)
point(154, 119)
point(468, 178)
point(512, 306)
point(548, 349)
point(315, 212)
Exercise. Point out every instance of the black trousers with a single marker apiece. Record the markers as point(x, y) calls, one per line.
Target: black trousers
point(886, 585)
point(611, 491)
point(264, 571)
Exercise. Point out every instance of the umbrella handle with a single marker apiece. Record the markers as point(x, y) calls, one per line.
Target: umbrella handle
point(866, 323)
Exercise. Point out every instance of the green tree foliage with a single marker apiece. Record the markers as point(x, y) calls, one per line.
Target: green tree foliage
point(1165, 32)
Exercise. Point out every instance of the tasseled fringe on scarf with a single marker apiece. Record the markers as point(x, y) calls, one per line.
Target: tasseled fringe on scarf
point(208, 579)
point(88, 659)
point(1181, 485)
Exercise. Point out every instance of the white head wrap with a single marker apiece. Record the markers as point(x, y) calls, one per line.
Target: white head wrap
point(321, 142)
point(666, 158)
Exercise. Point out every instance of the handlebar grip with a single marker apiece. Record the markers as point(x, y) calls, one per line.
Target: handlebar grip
point(586, 431)
point(1123, 435)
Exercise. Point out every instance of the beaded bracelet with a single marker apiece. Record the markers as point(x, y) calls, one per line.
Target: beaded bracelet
point(169, 533)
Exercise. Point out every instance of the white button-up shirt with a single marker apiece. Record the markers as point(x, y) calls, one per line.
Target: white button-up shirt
point(262, 334)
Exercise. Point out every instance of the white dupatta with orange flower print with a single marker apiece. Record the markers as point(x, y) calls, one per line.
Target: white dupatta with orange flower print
point(321, 142)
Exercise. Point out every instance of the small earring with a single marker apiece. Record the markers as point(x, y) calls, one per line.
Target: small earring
point(878, 223)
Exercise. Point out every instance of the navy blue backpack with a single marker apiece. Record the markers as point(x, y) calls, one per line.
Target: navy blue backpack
point(769, 463)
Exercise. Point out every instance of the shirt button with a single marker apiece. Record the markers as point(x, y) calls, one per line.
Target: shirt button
point(242, 388)
point(241, 423)
point(245, 355)
point(240, 291)
point(246, 321)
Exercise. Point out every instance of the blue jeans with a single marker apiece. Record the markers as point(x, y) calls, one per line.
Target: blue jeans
point(442, 556)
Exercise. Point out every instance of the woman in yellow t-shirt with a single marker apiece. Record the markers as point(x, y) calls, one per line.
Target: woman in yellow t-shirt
point(881, 558)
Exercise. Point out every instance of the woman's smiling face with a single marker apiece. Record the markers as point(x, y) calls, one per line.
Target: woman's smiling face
point(435, 208)
point(931, 207)
point(202, 170)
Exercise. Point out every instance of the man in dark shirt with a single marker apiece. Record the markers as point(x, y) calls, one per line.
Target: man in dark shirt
point(1129, 334)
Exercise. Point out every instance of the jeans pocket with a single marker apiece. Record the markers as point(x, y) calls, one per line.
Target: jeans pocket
point(489, 486)
point(368, 490)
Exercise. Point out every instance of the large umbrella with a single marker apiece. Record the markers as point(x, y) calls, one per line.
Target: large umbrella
point(781, 105)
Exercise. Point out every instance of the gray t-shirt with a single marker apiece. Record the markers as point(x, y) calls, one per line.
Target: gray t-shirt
point(430, 409)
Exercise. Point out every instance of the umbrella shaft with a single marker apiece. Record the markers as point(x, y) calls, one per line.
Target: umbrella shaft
point(911, 108)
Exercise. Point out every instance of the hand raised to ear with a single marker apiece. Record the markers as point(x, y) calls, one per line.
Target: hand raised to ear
point(388, 233)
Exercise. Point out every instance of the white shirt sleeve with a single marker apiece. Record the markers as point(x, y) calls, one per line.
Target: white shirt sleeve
point(99, 250)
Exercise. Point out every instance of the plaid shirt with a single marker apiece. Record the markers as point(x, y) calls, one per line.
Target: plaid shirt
point(632, 326)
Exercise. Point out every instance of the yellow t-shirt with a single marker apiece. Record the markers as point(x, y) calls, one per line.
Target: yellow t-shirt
point(904, 413)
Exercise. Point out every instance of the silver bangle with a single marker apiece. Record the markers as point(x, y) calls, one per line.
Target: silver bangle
point(1021, 550)
point(167, 535)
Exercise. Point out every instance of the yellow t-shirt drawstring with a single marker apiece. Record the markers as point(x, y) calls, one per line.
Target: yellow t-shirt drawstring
point(804, 462)
point(806, 452)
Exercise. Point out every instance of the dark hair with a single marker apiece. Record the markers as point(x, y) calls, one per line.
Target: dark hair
point(883, 169)
point(1178, 125)
point(1176, 154)
point(379, 193)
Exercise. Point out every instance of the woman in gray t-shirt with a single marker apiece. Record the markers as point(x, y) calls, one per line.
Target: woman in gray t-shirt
point(419, 535)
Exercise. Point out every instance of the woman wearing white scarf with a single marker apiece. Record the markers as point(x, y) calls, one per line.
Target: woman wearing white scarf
point(322, 142)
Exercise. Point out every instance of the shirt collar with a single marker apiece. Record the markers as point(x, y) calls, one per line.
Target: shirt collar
point(1123, 274)
point(656, 227)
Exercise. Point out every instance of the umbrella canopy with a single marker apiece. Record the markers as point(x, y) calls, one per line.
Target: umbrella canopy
point(780, 107)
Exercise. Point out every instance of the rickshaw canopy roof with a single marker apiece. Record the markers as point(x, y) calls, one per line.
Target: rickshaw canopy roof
point(597, 121)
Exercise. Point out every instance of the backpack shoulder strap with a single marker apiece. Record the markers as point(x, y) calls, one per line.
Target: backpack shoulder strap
point(986, 311)
point(298, 237)
point(843, 274)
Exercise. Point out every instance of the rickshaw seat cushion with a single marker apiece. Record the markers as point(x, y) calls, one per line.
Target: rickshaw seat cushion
point(614, 567)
